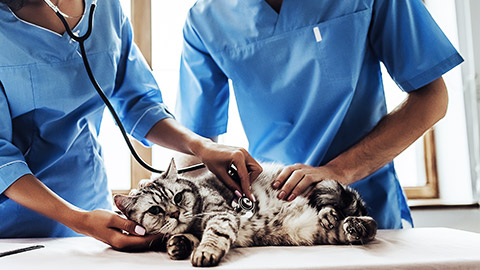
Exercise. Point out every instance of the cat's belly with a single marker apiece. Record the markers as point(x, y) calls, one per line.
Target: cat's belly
point(279, 223)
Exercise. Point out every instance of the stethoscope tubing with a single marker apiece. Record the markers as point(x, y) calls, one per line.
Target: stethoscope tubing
point(81, 42)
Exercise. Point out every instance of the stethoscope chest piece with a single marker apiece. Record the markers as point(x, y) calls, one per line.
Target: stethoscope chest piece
point(244, 206)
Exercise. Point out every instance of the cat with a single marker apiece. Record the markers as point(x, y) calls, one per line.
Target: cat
point(199, 221)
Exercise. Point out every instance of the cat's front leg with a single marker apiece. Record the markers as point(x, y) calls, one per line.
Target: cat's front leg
point(180, 246)
point(218, 236)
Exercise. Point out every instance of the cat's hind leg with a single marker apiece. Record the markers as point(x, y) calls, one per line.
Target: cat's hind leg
point(358, 230)
point(180, 246)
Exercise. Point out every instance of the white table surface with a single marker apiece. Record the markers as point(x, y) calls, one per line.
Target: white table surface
point(421, 248)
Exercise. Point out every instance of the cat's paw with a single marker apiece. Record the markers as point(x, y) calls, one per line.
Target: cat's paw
point(179, 247)
point(329, 218)
point(359, 230)
point(205, 256)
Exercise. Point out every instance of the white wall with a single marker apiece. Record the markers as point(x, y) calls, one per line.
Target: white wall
point(469, 44)
point(453, 155)
point(475, 24)
point(468, 39)
point(463, 219)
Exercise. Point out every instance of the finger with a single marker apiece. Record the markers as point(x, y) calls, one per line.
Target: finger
point(124, 224)
point(123, 242)
point(246, 189)
point(289, 185)
point(303, 186)
point(244, 177)
point(254, 169)
point(253, 174)
point(283, 176)
point(228, 181)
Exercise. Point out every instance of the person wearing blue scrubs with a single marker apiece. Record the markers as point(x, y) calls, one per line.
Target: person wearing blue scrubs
point(52, 176)
point(307, 81)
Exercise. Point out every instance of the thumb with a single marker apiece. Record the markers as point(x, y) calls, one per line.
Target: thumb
point(127, 225)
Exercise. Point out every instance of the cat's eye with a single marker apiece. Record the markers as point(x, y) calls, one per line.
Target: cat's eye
point(155, 210)
point(178, 198)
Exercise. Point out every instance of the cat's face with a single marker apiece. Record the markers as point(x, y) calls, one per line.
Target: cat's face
point(168, 205)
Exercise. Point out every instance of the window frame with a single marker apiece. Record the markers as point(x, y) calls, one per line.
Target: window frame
point(430, 190)
point(141, 19)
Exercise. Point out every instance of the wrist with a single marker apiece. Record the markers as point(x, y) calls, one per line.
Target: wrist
point(198, 145)
point(339, 173)
point(75, 219)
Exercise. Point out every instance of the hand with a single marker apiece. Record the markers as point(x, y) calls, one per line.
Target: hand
point(110, 228)
point(218, 158)
point(296, 179)
point(100, 224)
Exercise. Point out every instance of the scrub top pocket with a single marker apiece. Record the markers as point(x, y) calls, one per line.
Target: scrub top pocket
point(341, 50)
point(333, 49)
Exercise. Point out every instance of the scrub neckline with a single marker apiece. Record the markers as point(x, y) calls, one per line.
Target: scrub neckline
point(279, 16)
point(278, 12)
point(48, 30)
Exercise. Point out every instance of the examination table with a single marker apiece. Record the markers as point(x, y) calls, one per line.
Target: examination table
point(420, 248)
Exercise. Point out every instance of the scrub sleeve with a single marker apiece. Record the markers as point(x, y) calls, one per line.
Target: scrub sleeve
point(405, 37)
point(137, 97)
point(50, 114)
point(12, 162)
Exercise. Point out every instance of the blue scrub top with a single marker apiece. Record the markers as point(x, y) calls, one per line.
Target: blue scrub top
point(50, 114)
point(307, 80)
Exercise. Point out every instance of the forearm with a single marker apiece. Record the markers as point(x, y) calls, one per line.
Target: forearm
point(393, 134)
point(103, 225)
point(33, 194)
point(170, 134)
point(183, 160)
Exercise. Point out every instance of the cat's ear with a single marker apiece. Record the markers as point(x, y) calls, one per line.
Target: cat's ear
point(122, 202)
point(172, 170)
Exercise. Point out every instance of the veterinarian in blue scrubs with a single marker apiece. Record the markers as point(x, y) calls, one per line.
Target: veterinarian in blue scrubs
point(306, 77)
point(52, 175)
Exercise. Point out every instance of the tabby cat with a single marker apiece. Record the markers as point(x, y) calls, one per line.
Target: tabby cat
point(197, 216)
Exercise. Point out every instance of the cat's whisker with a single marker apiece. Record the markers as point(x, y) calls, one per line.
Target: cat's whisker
point(204, 214)
point(165, 227)
point(187, 214)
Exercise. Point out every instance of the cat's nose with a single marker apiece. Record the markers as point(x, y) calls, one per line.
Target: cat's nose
point(175, 214)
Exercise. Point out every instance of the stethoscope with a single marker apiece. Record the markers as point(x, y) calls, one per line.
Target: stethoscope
point(243, 206)
point(81, 41)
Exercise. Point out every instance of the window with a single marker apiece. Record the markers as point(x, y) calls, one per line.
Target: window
point(167, 39)
point(115, 151)
point(416, 166)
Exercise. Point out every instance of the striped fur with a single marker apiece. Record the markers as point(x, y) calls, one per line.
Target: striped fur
point(191, 209)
